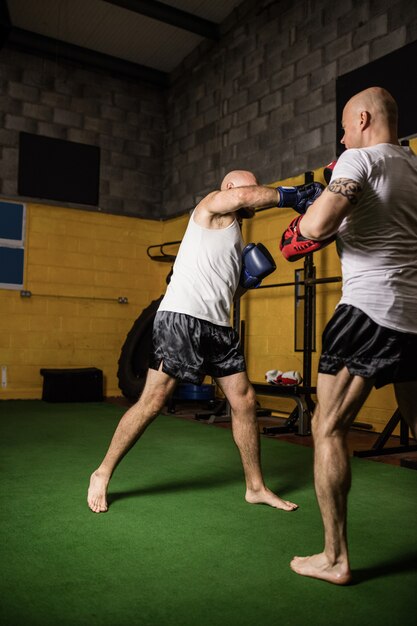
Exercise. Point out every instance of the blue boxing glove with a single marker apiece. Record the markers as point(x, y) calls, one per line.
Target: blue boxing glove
point(257, 263)
point(300, 197)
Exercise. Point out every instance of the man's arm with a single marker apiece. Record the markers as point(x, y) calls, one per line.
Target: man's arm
point(231, 200)
point(218, 207)
point(325, 215)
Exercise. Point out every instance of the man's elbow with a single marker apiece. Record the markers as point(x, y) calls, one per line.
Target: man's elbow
point(316, 232)
point(244, 196)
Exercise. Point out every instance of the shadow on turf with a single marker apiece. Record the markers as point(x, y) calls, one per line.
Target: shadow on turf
point(396, 565)
point(193, 483)
point(172, 486)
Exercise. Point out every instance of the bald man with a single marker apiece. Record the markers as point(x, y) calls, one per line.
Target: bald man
point(192, 335)
point(371, 340)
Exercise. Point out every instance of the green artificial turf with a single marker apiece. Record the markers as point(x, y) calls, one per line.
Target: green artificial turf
point(179, 545)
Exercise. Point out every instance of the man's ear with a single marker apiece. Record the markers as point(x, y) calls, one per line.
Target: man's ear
point(365, 119)
point(229, 185)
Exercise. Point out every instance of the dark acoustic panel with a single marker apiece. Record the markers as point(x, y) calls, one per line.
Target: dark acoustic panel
point(54, 169)
point(397, 73)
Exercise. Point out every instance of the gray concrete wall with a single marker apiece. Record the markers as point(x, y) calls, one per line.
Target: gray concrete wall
point(263, 98)
point(125, 119)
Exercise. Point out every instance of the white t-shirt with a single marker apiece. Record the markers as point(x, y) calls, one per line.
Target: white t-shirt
point(377, 241)
point(206, 273)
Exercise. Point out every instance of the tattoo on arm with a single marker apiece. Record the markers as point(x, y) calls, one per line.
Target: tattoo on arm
point(346, 187)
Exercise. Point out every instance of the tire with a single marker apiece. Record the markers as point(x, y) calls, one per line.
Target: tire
point(134, 357)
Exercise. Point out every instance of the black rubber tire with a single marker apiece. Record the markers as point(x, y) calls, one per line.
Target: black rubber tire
point(134, 357)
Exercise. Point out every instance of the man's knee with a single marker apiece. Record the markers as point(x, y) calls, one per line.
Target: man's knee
point(157, 404)
point(152, 401)
point(251, 400)
point(244, 401)
point(327, 425)
point(249, 396)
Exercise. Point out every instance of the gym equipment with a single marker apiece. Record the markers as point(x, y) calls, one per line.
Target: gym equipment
point(299, 197)
point(328, 171)
point(133, 363)
point(378, 447)
point(257, 263)
point(83, 384)
point(189, 392)
point(160, 254)
point(300, 418)
point(277, 377)
point(294, 246)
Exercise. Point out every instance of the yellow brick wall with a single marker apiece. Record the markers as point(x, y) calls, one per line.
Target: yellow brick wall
point(77, 264)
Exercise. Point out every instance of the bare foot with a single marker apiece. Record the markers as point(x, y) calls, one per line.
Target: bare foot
point(265, 496)
point(319, 566)
point(97, 492)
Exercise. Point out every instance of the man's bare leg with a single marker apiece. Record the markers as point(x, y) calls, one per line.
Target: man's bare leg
point(241, 397)
point(339, 399)
point(406, 394)
point(158, 388)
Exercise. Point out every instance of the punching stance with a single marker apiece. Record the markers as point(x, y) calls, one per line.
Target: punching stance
point(192, 335)
point(371, 340)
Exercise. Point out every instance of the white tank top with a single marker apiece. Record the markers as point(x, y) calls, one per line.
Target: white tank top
point(377, 241)
point(206, 273)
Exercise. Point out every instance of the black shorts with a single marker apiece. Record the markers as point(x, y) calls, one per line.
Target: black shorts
point(353, 340)
point(190, 348)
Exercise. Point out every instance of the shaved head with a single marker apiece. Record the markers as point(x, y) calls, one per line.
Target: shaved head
point(378, 102)
point(238, 178)
point(370, 117)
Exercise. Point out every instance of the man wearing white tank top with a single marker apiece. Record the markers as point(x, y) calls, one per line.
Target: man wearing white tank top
point(371, 340)
point(192, 334)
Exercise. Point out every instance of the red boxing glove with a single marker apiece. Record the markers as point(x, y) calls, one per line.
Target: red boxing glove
point(328, 171)
point(294, 246)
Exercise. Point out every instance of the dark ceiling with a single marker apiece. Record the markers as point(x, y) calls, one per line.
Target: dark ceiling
point(144, 39)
